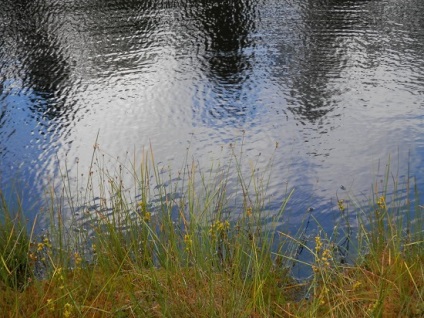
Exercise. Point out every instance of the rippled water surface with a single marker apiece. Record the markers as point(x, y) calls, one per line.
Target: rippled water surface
point(339, 85)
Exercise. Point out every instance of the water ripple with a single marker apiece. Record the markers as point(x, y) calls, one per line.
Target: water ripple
point(338, 85)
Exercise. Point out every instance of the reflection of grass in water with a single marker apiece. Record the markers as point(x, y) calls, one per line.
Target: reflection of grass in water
point(189, 255)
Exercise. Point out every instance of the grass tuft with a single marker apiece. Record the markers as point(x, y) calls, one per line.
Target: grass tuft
point(141, 241)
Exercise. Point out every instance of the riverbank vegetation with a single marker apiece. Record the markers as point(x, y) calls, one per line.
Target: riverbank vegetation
point(177, 246)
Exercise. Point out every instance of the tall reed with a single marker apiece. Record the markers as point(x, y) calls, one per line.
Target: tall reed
point(138, 239)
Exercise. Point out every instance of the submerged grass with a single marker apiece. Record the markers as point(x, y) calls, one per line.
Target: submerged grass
point(183, 249)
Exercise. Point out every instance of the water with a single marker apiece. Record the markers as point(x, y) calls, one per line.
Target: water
point(339, 85)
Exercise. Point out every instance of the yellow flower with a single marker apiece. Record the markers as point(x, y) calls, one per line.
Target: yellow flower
point(59, 275)
point(188, 241)
point(249, 211)
point(220, 226)
point(50, 304)
point(68, 310)
point(187, 238)
point(326, 256)
point(357, 285)
point(77, 258)
point(147, 217)
point(212, 231)
point(381, 202)
point(40, 246)
point(318, 244)
point(47, 243)
point(341, 205)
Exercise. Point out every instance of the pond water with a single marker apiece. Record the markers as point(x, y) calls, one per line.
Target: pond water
point(339, 85)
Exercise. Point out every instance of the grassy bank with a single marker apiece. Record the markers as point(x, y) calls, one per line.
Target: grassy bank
point(181, 249)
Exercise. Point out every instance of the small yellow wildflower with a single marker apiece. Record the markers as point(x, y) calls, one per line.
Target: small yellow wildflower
point(357, 285)
point(40, 247)
point(187, 238)
point(212, 231)
point(223, 226)
point(326, 256)
point(47, 243)
point(249, 211)
point(373, 306)
point(381, 202)
point(59, 275)
point(68, 310)
point(220, 226)
point(318, 244)
point(188, 241)
point(147, 217)
point(50, 304)
point(341, 205)
point(77, 258)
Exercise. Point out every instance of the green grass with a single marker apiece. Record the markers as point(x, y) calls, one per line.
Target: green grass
point(186, 249)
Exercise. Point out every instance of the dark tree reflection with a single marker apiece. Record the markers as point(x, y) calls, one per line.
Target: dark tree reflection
point(335, 35)
point(227, 28)
point(321, 56)
point(123, 35)
point(42, 61)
